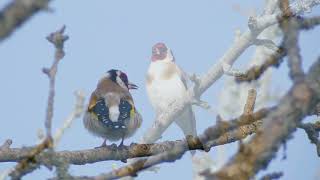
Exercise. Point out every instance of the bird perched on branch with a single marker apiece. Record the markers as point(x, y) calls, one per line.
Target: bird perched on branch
point(165, 84)
point(111, 113)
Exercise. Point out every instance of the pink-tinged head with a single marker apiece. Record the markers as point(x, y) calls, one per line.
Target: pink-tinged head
point(159, 52)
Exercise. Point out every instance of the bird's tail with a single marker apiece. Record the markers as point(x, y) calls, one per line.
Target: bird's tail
point(187, 123)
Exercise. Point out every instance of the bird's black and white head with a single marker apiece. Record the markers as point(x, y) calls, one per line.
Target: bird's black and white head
point(121, 79)
point(160, 52)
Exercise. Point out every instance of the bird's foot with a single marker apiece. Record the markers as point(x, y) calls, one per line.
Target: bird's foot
point(113, 146)
point(121, 145)
point(103, 145)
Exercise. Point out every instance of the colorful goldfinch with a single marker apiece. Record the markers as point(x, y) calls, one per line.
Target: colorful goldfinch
point(111, 113)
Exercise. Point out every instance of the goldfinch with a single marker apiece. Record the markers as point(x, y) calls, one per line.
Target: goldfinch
point(165, 84)
point(111, 113)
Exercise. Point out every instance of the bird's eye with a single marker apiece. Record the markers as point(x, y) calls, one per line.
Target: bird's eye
point(124, 78)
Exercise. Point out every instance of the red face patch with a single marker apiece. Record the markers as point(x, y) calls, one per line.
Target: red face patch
point(124, 78)
point(159, 52)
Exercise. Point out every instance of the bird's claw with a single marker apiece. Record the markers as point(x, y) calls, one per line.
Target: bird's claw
point(102, 146)
point(121, 146)
point(124, 160)
point(113, 146)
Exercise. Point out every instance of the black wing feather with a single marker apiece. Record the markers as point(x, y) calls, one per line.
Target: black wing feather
point(102, 112)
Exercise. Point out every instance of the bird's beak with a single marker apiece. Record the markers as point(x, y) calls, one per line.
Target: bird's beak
point(132, 86)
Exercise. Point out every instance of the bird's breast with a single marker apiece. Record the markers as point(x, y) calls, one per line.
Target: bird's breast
point(163, 92)
point(162, 70)
point(164, 85)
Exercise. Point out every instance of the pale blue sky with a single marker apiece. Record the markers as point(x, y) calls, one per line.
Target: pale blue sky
point(119, 34)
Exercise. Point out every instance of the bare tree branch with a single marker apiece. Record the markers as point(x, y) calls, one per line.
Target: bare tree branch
point(256, 26)
point(312, 130)
point(272, 126)
point(202, 142)
point(76, 113)
point(29, 163)
point(276, 59)
point(6, 145)
point(255, 72)
point(303, 97)
point(256, 154)
point(18, 12)
point(266, 43)
point(272, 176)
point(251, 99)
point(167, 156)
point(57, 39)
point(290, 27)
point(111, 152)
point(309, 23)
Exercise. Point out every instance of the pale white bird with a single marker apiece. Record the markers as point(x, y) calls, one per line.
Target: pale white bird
point(167, 83)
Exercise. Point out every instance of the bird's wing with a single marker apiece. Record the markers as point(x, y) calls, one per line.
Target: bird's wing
point(137, 120)
point(186, 121)
point(93, 101)
point(183, 76)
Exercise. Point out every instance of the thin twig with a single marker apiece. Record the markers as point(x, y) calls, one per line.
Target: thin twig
point(251, 99)
point(57, 39)
point(278, 126)
point(29, 163)
point(289, 26)
point(255, 72)
point(309, 23)
point(6, 145)
point(272, 176)
point(266, 43)
point(76, 113)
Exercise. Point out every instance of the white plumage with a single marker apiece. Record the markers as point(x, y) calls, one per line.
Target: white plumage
point(165, 84)
point(164, 91)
